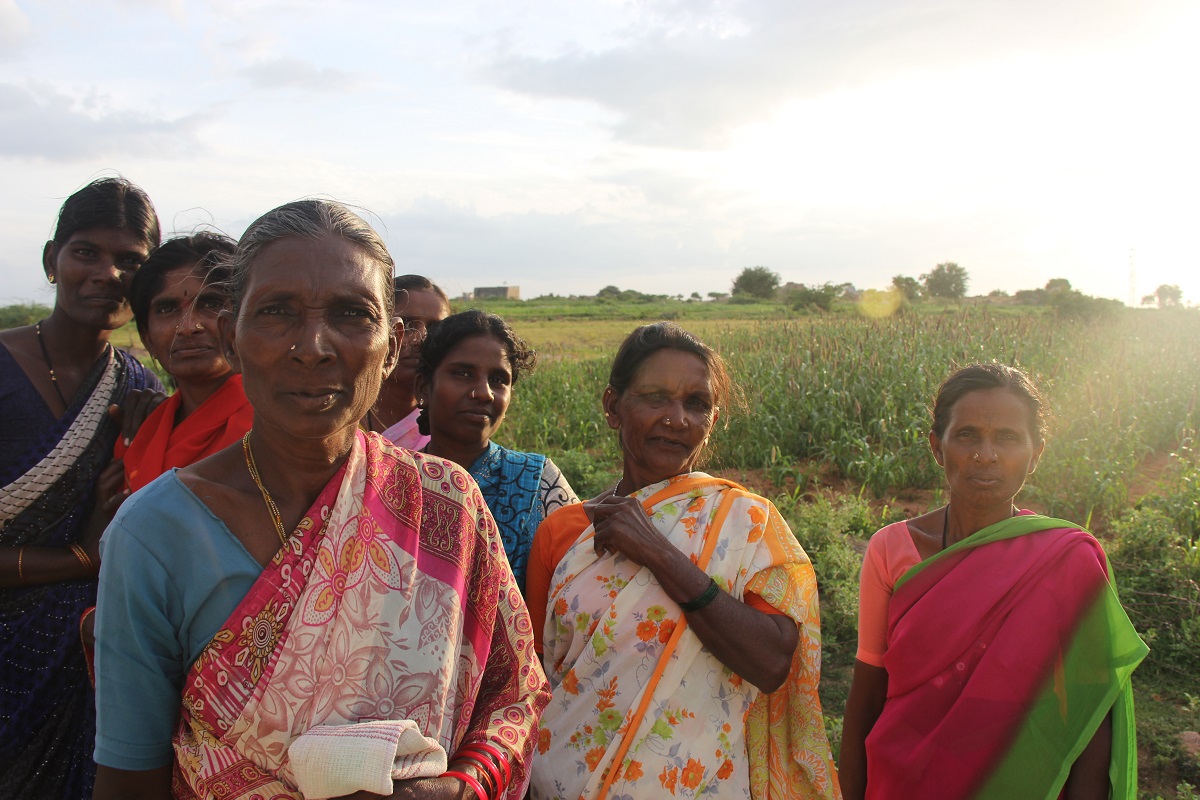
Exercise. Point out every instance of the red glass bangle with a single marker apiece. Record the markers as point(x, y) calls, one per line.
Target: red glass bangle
point(475, 785)
point(496, 753)
point(485, 764)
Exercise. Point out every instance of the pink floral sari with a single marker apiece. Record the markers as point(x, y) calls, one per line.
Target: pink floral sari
point(392, 600)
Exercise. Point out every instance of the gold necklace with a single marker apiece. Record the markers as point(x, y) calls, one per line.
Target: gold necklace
point(272, 509)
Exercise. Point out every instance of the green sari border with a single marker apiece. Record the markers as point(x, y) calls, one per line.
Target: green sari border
point(1010, 528)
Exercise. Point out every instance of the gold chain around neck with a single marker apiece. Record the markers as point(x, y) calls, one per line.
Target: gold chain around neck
point(272, 509)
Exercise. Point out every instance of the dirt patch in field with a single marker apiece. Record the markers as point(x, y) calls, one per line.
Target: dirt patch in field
point(1149, 475)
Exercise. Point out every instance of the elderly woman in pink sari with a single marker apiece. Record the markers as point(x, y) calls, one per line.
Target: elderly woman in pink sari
point(312, 611)
point(994, 657)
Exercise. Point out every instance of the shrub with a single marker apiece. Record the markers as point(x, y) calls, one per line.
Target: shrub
point(587, 474)
point(20, 314)
point(813, 297)
point(828, 531)
point(1156, 559)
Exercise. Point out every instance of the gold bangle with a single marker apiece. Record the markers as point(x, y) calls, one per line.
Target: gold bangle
point(20, 566)
point(83, 557)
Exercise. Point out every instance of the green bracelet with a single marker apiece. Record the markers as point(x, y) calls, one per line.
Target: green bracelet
point(706, 597)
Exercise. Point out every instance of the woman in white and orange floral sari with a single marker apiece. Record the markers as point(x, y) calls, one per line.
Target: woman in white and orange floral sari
point(312, 612)
point(681, 633)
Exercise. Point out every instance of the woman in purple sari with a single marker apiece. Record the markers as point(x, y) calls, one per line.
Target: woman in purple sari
point(58, 379)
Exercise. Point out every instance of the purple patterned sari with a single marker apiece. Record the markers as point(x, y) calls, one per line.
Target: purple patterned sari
point(48, 471)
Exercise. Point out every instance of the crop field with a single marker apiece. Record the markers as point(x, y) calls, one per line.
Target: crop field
point(842, 401)
point(851, 394)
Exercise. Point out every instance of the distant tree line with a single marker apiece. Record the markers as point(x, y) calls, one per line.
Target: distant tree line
point(946, 281)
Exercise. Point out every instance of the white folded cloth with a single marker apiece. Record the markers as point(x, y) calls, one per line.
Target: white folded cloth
point(334, 760)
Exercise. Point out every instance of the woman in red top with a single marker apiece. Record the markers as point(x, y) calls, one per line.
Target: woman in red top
point(176, 298)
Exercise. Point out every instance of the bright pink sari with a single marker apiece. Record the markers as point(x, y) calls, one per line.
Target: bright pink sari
point(392, 600)
point(1005, 653)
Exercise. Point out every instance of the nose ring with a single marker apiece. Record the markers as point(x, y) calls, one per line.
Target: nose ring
point(472, 394)
point(293, 347)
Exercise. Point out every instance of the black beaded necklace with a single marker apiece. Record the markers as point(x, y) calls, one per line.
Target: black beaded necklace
point(37, 328)
point(945, 526)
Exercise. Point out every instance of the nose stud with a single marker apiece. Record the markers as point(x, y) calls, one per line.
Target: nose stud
point(293, 347)
point(668, 420)
point(472, 394)
point(977, 458)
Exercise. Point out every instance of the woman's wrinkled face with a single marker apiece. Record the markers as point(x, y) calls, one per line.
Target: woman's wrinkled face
point(181, 330)
point(665, 415)
point(313, 337)
point(92, 271)
point(988, 448)
point(469, 392)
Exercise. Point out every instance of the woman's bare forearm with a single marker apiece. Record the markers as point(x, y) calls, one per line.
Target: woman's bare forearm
point(33, 565)
point(757, 647)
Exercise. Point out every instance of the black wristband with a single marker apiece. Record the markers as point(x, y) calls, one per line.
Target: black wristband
point(706, 597)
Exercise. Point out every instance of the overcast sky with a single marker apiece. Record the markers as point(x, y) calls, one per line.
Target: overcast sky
point(564, 146)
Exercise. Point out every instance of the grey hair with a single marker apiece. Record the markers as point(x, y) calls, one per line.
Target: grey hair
point(309, 219)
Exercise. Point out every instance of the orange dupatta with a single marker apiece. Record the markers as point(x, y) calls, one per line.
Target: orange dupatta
point(161, 445)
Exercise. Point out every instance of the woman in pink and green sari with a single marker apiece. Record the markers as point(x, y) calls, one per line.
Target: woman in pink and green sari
point(994, 657)
point(312, 611)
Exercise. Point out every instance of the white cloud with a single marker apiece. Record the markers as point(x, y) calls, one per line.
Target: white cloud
point(688, 76)
point(41, 122)
point(14, 28)
point(294, 73)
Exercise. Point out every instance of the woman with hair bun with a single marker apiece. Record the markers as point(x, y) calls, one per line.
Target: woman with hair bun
point(177, 297)
point(469, 366)
point(58, 380)
point(994, 657)
point(420, 306)
point(311, 611)
point(677, 612)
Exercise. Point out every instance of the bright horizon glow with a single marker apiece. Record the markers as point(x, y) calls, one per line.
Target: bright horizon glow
point(661, 149)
